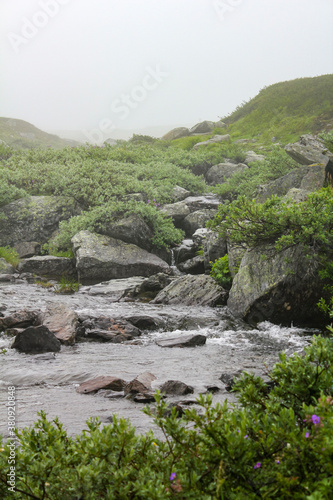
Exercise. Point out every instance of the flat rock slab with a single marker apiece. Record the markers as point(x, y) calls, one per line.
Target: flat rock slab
point(20, 319)
point(95, 384)
point(35, 340)
point(183, 341)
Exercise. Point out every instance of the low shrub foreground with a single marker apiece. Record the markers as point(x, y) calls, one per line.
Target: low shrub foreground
point(276, 443)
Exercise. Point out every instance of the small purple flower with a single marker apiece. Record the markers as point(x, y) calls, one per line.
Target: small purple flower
point(307, 434)
point(315, 419)
point(148, 201)
point(173, 476)
point(257, 465)
point(246, 436)
point(277, 461)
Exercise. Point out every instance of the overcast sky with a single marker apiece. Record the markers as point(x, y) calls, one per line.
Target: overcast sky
point(129, 64)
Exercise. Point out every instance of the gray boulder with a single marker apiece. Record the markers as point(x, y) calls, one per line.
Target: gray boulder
point(27, 249)
point(202, 128)
point(235, 254)
point(186, 250)
point(310, 178)
point(178, 211)
point(130, 229)
point(196, 220)
point(179, 193)
point(183, 341)
point(176, 133)
point(223, 171)
point(192, 290)
point(34, 218)
point(278, 287)
point(6, 268)
point(212, 140)
point(193, 266)
point(213, 247)
point(36, 339)
point(116, 290)
point(141, 384)
point(307, 150)
point(252, 157)
point(20, 319)
point(100, 258)
point(48, 266)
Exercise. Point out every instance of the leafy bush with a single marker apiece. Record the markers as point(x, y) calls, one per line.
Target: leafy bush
point(277, 443)
point(10, 255)
point(220, 272)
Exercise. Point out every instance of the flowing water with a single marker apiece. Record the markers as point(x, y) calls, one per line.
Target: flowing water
point(50, 384)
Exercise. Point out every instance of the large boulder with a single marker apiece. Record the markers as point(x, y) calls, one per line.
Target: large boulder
point(34, 218)
point(36, 339)
point(192, 290)
point(6, 268)
point(100, 258)
point(61, 321)
point(223, 171)
point(176, 133)
point(130, 229)
point(48, 266)
point(212, 140)
point(307, 150)
point(279, 287)
point(196, 220)
point(252, 157)
point(213, 247)
point(310, 178)
point(202, 128)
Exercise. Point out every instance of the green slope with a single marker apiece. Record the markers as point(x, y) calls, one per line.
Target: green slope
point(20, 134)
point(285, 111)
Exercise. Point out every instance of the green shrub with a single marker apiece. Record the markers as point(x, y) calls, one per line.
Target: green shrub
point(10, 255)
point(220, 272)
point(67, 285)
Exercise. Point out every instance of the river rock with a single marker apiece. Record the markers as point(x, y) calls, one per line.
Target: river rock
point(202, 128)
point(218, 174)
point(106, 329)
point(183, 341)
point(309, 178)
point(6, 268)
point(177, 388)
point(130, 229)
point(34, 218)
point(141, 384)
point(192, 290)
point(178, 211)
point(186, 250)
point(36, 339)
point(283, 287)
point(100, 258)
point(62, 322)
point(307, 150)
point(212, 140)
point(150, 287)
point(98, 383)
point(48, 266)
point(117, 290)
point(20, 319)
point(176, 133)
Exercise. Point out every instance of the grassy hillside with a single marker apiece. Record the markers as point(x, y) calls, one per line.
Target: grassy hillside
point(20, 134)
point(285, 111)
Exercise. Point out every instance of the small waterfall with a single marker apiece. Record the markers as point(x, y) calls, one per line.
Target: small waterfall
point(173, 266)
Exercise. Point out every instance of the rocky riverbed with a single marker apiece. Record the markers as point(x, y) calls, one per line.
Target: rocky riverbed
point(49, 382)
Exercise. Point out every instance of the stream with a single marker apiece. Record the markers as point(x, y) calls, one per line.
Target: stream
point(49, 384)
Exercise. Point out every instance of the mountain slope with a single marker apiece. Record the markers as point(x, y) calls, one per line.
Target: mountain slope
point(285, 110)
point(22, 134)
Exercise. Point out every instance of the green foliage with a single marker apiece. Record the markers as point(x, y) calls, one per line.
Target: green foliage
point(276, 164)
point(277, 443)
point(220, 272)
point(10, 255)
point(279, 222)
point(285, 110)
point(328, 139)
point(67, 285)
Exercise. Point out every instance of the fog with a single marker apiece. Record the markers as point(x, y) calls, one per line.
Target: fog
point(112, 65)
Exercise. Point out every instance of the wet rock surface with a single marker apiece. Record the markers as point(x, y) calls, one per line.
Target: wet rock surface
point(36, 339)
point(183, 341)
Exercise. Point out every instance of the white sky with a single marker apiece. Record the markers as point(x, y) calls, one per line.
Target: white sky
point(82, 64)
